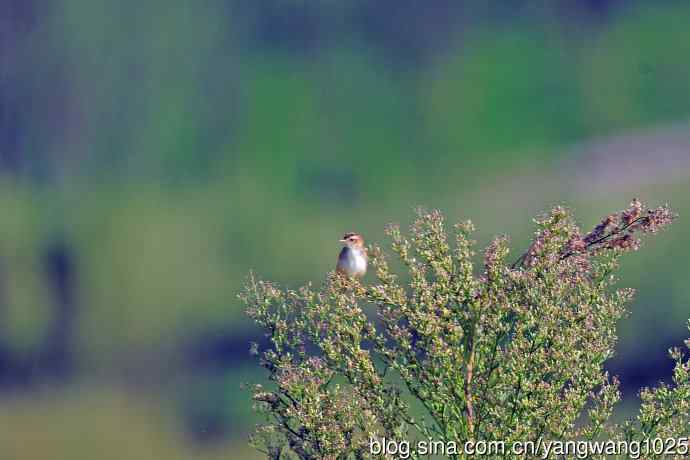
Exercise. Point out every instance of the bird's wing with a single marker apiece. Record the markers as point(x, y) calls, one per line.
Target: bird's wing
point(342, 260)
point(344, 254)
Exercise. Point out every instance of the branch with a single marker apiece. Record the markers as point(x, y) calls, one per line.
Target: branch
point(607, 236)
point(468, 385)
point(492, 367)
point(522, 258)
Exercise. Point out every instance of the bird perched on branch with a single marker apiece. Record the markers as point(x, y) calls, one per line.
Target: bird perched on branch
point(352, 260)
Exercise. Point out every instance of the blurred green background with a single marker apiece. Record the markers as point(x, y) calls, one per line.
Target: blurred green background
point(152, 153)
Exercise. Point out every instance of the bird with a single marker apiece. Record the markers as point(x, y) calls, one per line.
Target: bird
point(352, 260)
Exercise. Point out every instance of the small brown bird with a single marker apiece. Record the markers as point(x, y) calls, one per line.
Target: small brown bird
point(352, 260)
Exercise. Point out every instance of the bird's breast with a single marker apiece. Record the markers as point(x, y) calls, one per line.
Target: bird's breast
point(353, 262)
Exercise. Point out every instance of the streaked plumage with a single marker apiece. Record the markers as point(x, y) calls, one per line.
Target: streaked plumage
point(352, 260)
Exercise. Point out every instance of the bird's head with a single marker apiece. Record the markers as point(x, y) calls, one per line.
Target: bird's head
point(353, 240)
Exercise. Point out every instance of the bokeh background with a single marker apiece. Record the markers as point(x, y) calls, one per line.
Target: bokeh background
point(152, 153)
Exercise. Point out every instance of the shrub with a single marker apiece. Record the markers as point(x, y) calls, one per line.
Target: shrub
point(511, 352)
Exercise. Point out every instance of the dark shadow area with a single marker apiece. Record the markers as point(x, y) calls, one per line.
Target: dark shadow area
point(648, 370)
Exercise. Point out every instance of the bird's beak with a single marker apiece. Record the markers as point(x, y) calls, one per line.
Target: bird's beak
point(342, 241)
